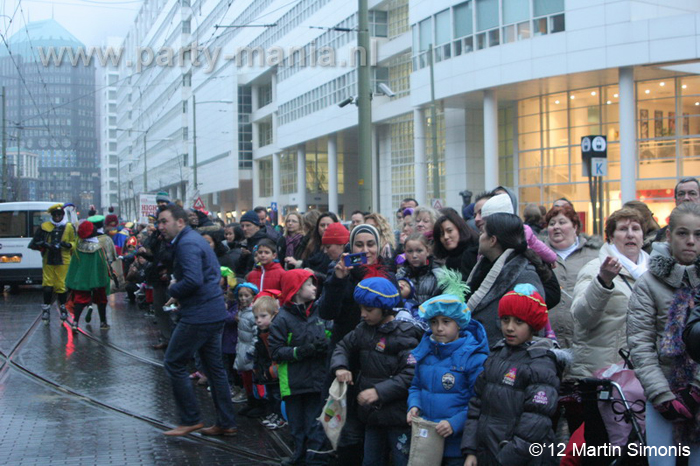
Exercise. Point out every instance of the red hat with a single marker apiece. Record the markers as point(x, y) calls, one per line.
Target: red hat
point(291, 283)
point(525, 303)
point(132, 241)
point(271, 293)
point(335, 233)
point(85, 229)
point(111, 220)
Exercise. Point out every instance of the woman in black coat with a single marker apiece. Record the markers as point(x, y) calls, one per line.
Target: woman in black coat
point(456, 244)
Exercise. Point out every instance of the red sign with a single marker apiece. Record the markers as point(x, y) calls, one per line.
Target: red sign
point(198, 204)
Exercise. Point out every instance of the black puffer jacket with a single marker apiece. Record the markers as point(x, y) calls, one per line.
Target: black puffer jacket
point(381, 355)
point(292, 329)
point(336, 302)
point(515, 396)
point(463, 258)
point(424, 278)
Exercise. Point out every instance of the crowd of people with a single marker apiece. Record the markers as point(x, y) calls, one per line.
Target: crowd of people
point(474, 321)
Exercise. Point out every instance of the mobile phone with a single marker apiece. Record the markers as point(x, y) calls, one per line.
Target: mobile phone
point(355, 259)
point(170, 308)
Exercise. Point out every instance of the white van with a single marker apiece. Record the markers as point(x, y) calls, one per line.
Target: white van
point(20, 265)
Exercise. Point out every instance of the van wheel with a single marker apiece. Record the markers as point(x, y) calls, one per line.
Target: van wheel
point(14, 288)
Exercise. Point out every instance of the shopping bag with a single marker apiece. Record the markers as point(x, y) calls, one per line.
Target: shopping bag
point(334, 412)
point(618, 429)
point(427, 446)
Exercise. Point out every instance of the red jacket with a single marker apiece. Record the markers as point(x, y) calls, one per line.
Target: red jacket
point(267, 277)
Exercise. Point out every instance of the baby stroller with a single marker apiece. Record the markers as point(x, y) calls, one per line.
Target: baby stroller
point(597, 432)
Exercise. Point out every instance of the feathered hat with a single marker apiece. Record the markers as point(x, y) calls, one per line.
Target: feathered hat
point(451, 303)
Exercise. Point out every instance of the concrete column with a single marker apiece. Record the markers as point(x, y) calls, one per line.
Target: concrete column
point(375, 169)
point(420, 170)
point(333, 173)
point(276, 183)
point(628, 136)
point(301, 178)
point(490, 139)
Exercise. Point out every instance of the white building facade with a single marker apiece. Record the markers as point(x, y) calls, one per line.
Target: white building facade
point(107, 79)
point(517, 83)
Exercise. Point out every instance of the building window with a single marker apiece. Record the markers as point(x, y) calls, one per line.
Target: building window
point(317, 167)
point(398, 18)
point(288, 172)
point(265, 136)
point(440, 122)
point(378, 23)
point(402, 159)
point(265, 177)
point(264, 94)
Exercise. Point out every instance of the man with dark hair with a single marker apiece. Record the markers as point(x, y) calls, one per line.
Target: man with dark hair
point(687, 190)
point(409, 202)
point(265, 222)
point(357, 218)
point(195, 290)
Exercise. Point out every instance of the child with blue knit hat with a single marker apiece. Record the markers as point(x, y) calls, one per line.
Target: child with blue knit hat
point(448, 361)
point(380, 349)
point(516, 394)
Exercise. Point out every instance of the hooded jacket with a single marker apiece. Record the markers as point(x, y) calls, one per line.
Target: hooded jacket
point(515, 397)
point(297, 325)
point(444, 379)
point(425, 279)
point(268, 276)
point(380, 357)
point(647, 316)
point(245, 344)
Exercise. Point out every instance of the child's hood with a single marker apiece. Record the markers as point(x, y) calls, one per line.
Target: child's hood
point(291, 283)
point(472, 340)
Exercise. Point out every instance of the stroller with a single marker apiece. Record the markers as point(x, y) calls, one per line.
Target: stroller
point(596, 432)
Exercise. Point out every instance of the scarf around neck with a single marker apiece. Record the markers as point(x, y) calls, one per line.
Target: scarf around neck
point(61, 223)
point(490, 279)
point(636, 270)
point(292, 243)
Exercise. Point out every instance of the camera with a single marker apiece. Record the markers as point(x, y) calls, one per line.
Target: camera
point(355, 259)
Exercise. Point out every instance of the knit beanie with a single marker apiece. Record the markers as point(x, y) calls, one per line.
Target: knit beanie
point(251, 217)
point(500, 203)
point(365, 228)
point(525, 303)
point(335, 233)
point(162, 197)
point(446, 305)
point(377, 292)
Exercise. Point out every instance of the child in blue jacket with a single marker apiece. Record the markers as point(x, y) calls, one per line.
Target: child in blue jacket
point(448, 360)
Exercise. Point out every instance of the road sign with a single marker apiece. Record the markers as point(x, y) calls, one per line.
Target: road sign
point(599, 166)
point(273, 206)
point(198, 204)
point(437, 204)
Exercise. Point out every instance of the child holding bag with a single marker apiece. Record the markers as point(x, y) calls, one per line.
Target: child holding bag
point(448, 360)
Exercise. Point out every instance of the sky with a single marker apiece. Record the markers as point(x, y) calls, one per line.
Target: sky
point(90, 21)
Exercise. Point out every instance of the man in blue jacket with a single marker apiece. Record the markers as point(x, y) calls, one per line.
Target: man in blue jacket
point(195, 290)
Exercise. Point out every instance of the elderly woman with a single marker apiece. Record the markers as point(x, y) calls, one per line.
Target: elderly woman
point(424, 219)
point(656, 319)
point(573, 252)
point(602, 293)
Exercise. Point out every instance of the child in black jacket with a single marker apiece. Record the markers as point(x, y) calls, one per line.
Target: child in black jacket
point(299, 343)
point(380, 349)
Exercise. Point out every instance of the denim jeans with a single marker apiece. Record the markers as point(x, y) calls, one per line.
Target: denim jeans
point(205, 340)
point(660, 434)
point(302, 411)
point(380, 441)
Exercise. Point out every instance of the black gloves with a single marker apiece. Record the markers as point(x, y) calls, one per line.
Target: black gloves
point(304, 351)
point(321, 347)
point(66, 245)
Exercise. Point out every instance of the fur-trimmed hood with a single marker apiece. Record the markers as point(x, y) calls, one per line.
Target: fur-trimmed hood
point(667, 269)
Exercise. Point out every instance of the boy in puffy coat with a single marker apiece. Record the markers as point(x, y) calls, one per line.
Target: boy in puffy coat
point(298, 343)
point(268, 272)
point(516, 394)
point(380, 349)
point(448, 361)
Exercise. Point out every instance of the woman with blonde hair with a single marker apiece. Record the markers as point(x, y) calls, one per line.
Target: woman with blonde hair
point(386, 235)
point(424, 219)
point(291, 245)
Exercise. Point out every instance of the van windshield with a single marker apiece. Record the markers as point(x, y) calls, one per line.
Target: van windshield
point(13, 224)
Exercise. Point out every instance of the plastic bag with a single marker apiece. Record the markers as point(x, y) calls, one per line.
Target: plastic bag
point(427, 446)
point(618, 429)
point(334, 412)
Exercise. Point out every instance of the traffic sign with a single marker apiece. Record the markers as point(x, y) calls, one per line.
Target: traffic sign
point(599, 166)
point(273, 206)
point(437, 204)
point(198, 204)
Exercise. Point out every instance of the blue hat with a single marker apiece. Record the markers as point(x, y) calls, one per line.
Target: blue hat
point(251, 217)
point(446, 305)
point(412, 295)
point(245, 285)
point(377, 292)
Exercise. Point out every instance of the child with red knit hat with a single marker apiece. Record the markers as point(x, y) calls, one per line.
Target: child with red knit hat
point(516, 394)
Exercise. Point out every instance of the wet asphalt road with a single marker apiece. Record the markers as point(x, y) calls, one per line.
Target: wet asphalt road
point(102, 397)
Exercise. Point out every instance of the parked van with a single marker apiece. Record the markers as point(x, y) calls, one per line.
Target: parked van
point(19, 265)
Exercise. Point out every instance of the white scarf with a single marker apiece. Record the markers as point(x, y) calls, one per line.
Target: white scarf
point(636, 270)
point(564, 253)
point(490, 279)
